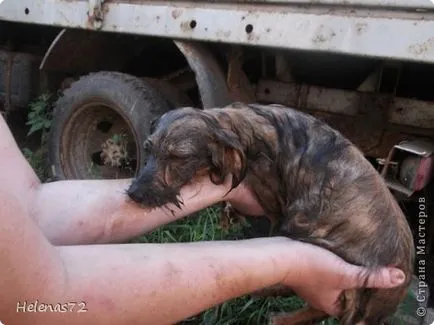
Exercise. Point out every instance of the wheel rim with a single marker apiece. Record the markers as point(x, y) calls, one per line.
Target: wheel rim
point(92, 129)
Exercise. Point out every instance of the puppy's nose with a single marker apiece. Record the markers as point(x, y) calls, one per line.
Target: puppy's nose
point(135, 193)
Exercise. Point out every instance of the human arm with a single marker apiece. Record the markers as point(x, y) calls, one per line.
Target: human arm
point(88, 211)
point(132, 283)
point(149, 283)
point(99, 211)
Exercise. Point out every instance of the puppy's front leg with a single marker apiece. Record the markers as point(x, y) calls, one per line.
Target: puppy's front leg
point(277, 290)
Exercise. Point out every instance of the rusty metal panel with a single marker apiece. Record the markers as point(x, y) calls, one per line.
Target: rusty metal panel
point(372, 142)
point(209, 76)
point(412, 112)
point(395, 110)
point(304, 96)
point(338, 29)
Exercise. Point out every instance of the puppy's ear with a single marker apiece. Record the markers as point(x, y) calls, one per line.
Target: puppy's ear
point(227, 157)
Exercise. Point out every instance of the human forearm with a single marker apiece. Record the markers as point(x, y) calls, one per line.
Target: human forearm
point(163, 284)
point(99, 211)
point(145, 283)
point(189, 279)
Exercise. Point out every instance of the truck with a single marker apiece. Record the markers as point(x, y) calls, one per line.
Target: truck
point(365, 67)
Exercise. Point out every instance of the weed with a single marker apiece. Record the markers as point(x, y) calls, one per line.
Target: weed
point(39, 120)
point(40, 116)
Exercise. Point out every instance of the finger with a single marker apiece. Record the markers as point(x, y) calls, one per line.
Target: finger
point(387, 277)
point(383, 278)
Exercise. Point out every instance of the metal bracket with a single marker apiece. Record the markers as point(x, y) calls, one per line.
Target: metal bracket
point(415, 148)
point(96, 13)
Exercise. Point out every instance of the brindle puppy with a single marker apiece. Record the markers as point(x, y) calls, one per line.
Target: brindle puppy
point(310, 179)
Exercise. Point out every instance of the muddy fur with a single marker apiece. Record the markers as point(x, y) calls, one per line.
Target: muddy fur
point(309, 178)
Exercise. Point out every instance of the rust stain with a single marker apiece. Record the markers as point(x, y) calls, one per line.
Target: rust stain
point(185, 26)
point(91, 21)
point(98, 15)
point(323, 35)
point(422, 49)
point(176, 13)
point(253, 38)
point(319, 38)
point(361, 28)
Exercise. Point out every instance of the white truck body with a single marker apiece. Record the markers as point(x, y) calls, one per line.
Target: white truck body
point(390, 29)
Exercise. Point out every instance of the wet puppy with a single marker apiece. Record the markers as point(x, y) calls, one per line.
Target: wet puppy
point(313, 182)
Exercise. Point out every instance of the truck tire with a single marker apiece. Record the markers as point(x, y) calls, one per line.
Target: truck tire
point(99, 124)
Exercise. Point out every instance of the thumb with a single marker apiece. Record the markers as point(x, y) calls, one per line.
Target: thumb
point(382, 278)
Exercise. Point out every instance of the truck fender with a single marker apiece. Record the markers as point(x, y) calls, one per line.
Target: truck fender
point(82, 51)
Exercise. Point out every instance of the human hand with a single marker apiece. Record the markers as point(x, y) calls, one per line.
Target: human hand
point(320, 277)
